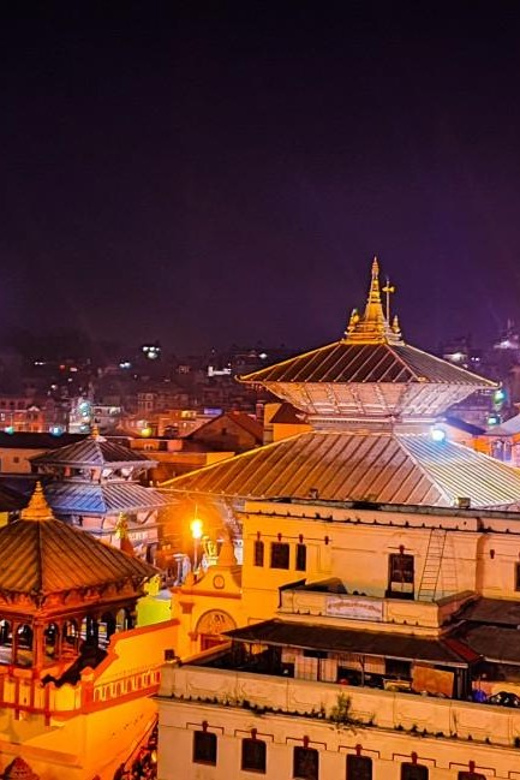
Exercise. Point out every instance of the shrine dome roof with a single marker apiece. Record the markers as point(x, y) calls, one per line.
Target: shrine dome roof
point(42, 555)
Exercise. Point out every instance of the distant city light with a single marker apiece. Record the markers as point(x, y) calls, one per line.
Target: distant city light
point(9, 429)
point(56, 430)
point(152, 351)
point(125, 364)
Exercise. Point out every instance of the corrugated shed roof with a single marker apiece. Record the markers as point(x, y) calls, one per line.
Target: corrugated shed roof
point(69, 497)
point(333, 639)
point(343, 362)
point(372, 466)
point(494, 612)
point(49, 556)
point(93, 451)
point(499, 645)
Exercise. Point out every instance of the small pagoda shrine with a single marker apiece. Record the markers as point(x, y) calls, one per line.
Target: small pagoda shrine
point(63, 594)
point(95, 484)
point(70, 655)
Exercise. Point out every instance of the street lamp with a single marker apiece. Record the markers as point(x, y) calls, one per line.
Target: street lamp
point(196, 533)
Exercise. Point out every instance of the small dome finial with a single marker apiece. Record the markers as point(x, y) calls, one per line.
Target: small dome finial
point(37, 509)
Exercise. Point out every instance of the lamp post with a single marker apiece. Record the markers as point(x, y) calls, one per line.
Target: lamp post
point(196, 533)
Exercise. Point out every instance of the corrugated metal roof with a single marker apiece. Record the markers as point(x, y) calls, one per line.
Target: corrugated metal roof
point(343, 362)
point(94, 451)
point(333, 639)
point(494, 612)
point(372, 466)
point(40, 558)
point(499, 645)
point(69, 497)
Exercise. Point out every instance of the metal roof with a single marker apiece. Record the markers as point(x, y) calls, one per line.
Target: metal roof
point(93, 451)
point(362, 363)
point(376, 466)
point(495, 644)
point(494, 612)
point(49, 556)
point(346, 640)
point(93, 498)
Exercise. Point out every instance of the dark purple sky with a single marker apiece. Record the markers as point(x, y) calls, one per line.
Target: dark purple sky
point(226, 174)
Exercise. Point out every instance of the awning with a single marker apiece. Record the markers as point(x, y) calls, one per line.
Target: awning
point(403, 647)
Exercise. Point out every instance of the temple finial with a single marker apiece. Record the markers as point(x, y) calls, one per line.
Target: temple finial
point(373, 327)
point(37, 509)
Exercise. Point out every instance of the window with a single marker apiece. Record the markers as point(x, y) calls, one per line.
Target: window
point(301, 557)
point(279, 555)
point(517, 578)
point(470, 776)
point(359, 768)
point(205, 748)
point(305, 763)
point(253, 755)
point(414, 772)
point(401, 574)
point(259, 553)
point(396, 668)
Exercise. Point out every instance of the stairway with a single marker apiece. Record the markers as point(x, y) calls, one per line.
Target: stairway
point(432, 565)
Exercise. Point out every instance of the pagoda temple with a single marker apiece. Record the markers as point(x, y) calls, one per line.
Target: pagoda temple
point(372, 401)
point(94, 483)
point(75, 675)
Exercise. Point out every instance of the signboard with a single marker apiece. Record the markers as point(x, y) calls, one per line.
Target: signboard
point(354, 608)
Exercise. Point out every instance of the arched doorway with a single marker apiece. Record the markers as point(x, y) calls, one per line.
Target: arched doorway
point(211, 626)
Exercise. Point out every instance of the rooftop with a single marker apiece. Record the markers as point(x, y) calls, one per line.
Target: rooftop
point(93, 451)
point(41, 556)
point(371, 350)
point(382, 467)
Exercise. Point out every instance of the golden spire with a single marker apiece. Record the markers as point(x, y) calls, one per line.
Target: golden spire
point(37, 509)
point(372, 327)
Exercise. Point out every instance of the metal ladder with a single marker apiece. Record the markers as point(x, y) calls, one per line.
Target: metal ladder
point(432, 565)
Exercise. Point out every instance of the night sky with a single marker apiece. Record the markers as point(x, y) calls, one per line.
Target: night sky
point(214, 173)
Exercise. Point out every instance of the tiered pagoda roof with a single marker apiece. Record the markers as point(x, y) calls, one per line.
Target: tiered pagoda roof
point(370, 399)
point(42, 556)
point(93, 451)
point(369, 373)
point(380, 467)
point(94, 477)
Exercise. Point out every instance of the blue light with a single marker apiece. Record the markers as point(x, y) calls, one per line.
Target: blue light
point(437, 433)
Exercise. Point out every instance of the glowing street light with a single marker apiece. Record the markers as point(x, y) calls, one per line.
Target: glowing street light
point(196, 533)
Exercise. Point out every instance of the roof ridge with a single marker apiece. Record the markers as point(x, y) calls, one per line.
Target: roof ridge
point(398, 357)
point(436, 484)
